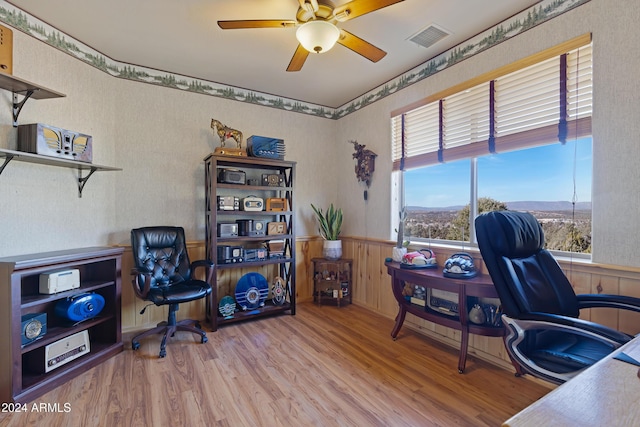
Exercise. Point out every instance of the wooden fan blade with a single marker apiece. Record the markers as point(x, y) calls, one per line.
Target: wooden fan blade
point(298, 59)
point(360, 46)
point(357, 8)
point(256, 23)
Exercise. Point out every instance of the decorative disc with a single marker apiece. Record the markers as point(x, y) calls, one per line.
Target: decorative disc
point(251, 291)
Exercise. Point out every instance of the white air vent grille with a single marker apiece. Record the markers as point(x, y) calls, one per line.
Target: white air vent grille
point(429, 36)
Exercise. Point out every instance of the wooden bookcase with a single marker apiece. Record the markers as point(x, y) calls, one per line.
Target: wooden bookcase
point(22, 374)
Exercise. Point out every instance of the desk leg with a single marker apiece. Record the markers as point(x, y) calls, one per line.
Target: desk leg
point(402, 312)
point(464, 344)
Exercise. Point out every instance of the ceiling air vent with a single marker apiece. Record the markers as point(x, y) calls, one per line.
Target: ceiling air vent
point(429, 36)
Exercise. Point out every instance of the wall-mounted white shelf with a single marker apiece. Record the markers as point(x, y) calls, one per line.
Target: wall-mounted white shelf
point(26, 90)
point(81, 167)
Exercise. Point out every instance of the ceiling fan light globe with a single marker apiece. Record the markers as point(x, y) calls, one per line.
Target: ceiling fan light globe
point(317, 36)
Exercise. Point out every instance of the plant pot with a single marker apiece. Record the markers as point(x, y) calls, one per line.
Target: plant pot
point(332, 249)
point(398, 253)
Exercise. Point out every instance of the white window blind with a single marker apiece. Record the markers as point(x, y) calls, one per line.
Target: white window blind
point(466, 117)
point(579, 83)
point(526, 109)
point(528, 99)
point(421, 135)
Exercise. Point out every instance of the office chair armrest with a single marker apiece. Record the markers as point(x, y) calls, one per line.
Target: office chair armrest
point(574, 325)
point(141, 291)
point(609, 301)
point(207, 265)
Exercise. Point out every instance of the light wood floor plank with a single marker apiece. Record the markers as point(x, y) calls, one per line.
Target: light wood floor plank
point(325, 366)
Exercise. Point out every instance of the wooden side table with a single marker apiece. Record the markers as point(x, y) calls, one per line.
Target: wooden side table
point(479, 286)
point(332, 281)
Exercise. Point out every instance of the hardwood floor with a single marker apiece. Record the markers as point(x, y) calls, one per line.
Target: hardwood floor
point(325, 366)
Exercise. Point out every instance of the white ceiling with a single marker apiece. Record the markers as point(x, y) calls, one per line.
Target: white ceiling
point(182, 37)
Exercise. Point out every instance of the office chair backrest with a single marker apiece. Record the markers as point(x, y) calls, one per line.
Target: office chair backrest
point(162, 252)
point(526, 276)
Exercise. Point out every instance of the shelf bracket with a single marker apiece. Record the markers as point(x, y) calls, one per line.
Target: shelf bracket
point(83, 180)
point(7, 159)
point(17, 106)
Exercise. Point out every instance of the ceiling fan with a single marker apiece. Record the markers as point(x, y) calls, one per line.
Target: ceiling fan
point(317, 31)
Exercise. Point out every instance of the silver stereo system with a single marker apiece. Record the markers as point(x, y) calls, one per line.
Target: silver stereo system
point(59, 281)
point(51, 141)
point(65, 350)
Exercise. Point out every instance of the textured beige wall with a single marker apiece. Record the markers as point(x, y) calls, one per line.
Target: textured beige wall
point(159, 137)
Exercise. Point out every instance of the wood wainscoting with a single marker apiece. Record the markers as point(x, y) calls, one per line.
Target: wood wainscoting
point(372, 290)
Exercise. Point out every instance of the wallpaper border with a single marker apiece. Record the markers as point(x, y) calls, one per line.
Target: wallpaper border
point(517, 24)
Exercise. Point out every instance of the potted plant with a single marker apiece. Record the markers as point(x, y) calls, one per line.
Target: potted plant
point(329, 226)
point(401, 244)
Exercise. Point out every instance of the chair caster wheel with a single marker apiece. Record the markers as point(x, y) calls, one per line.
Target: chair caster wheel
point(135, 345)
point(461, 371)
point(204, 339)
point(163, 353)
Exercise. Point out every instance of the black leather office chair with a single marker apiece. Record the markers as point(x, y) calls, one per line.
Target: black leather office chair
point(163, 275)
point(545, 337)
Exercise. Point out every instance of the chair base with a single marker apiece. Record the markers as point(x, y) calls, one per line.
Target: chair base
point(168, 329)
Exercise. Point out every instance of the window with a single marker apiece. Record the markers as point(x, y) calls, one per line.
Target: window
point(519, 141)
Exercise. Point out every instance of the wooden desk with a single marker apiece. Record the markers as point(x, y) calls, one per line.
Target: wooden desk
point(480, 286)
point(606, 394)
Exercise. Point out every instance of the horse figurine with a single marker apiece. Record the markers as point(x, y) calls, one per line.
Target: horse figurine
point(225, 132)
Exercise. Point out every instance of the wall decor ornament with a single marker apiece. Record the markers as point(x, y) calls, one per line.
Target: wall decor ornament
point(365, 164)
point(224, 133)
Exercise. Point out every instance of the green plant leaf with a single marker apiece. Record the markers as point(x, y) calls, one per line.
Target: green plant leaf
point(329, 223)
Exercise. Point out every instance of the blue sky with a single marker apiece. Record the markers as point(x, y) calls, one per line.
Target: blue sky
point(538, 174)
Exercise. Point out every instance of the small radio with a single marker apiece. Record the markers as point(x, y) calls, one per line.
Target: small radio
point(443, 301)
point(252, 203)
point(275, 228)
point(80, 307)
point(273, 179)
point(227, 229)
point(259, 254)
point(232, 176)
point(51, 141)
point(34, 326)
point(276, 248)
point(249, 227)
point(65, 350)
point(230, 254)
point(278, 204)
point(59, 281)
point(228, 203)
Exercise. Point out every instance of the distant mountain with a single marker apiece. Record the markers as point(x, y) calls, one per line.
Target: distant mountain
point(548, 206)
point(517, 206)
